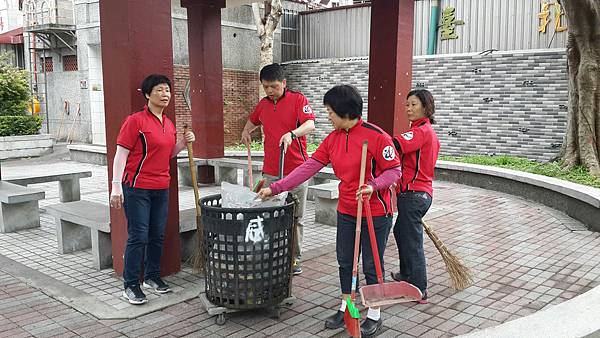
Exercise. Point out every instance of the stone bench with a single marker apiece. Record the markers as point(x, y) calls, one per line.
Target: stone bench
point(82, 225)
point(578, 201)
point(326, 200)
point(183, 170)
point(324, 175)
point(20, 207)
point(68, 182)
point(226, 169)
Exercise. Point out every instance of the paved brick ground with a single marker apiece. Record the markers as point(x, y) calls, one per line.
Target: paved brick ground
point(526, 257)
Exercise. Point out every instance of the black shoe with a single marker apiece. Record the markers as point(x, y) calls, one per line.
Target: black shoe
point(335, 321)
point(134, 295)
point(396, 276)
point(297, 269)
point(157, 284)
point(369, 327)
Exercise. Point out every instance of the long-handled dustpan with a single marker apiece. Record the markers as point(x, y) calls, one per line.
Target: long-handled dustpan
point(380, 294)
point(352, 315)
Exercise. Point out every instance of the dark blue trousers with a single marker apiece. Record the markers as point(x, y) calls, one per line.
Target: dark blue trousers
point(408, 232)
point(346, 231)
point(146, 211)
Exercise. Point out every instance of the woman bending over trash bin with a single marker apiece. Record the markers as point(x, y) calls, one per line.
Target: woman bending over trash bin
point(419, 148)
point(342, 148)
point(146, 142)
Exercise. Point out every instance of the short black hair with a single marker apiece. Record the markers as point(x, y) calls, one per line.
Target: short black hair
point(427, 102)
point(152, 81)
point(345, 101)
point(272, 72)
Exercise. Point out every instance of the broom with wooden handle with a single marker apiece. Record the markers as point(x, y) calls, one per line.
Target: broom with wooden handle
point(460, 275)
point(198, 257)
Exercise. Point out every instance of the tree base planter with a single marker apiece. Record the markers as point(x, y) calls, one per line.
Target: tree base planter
point(25, 146)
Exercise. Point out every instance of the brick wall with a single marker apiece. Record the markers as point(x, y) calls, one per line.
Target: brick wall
point(511, 103)
point(182, 112)
point(240, 96)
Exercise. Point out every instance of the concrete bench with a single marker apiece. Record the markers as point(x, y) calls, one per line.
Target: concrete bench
point(226, 169)
point(326, 200)
point(19, 207)
point(68, 182)
point(82, 225)
point(324, 175)
point(183, 170)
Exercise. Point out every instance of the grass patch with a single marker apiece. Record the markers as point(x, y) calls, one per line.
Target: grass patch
point(552, 169)
point(255, 145)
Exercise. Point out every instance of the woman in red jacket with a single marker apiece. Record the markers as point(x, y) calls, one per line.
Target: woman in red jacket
point(418, 149)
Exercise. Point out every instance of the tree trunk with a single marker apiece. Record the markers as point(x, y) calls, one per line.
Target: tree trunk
point(582, 142)
point(265, 27)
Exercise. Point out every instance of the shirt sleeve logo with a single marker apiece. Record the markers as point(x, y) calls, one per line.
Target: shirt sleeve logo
point(408, 135)
point(307, 109)
point(389, 153)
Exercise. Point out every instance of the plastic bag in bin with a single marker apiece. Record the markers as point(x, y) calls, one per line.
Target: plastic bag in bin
point(237, 196)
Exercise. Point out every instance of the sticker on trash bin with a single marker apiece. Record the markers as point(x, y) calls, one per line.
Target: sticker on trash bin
point(254, 231)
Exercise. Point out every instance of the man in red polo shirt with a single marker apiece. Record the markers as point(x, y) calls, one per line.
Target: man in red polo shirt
point(287, 118)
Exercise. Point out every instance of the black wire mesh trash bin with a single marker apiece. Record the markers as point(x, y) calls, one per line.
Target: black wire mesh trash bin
point(248, 255)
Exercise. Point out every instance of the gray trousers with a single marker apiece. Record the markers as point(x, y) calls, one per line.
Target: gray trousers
point(300, 193)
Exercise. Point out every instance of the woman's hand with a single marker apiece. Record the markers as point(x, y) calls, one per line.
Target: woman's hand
point(365, 190)
point(286, 140)
point(265, 193)
point(116, 196)
point(189, 136)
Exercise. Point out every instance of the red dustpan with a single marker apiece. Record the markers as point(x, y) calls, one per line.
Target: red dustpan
point(380, 294)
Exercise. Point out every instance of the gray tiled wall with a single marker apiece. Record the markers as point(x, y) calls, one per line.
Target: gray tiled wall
point(505, 103)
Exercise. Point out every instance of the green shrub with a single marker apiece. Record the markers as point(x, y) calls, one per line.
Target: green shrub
point(14, 88)
point(256, 145)
point(20, 125)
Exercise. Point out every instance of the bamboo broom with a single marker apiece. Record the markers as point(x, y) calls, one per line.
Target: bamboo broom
point(460, 275)
point(198, 256)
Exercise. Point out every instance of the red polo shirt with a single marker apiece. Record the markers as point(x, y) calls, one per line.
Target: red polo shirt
point(288, 113)
point(343, 149)
point(418, 148)
point(150, 143)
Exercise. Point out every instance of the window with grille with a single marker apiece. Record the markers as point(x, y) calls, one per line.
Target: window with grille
point(47, 63)
point(70, 63)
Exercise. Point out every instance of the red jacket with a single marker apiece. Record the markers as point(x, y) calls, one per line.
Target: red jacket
point(418, 149)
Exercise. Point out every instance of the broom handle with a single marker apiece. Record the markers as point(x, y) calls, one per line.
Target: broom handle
point(250, 180)
point(363, 164)
point(190, 151)
point(373, 240)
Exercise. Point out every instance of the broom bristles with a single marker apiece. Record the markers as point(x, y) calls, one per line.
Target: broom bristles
point(198, 255)
point(460, 275)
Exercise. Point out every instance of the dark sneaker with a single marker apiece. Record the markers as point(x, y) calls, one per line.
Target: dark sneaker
point(335, 321)
point(369, 327)
point(296, 269)
point(424, 299)
point(134, 295)
point(157, 284)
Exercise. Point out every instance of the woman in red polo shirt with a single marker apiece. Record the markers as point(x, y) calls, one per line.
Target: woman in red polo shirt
point(418, 149)
point(146, 142)
point(342, 148)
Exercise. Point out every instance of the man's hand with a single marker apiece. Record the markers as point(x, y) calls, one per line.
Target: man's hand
point(265, 193)
point(286, 140)
point(365, 190)
point(246, 137)
point(116, 196)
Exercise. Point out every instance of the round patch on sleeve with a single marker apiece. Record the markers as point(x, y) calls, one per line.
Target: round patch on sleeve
point(307, 109)
point(389, 153)
point(408, 135)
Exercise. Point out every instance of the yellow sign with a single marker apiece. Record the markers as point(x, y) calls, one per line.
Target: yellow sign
point(544, 15)
point(449, 23)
